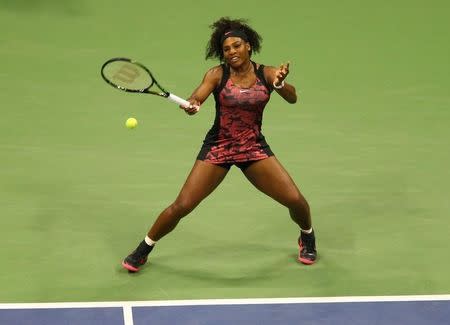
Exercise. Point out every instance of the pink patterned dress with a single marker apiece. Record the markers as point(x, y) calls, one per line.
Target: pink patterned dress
point(235, 136)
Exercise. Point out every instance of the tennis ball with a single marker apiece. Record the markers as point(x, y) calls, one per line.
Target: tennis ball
point(131, 123)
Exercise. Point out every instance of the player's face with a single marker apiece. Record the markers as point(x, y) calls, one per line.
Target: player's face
point(236, 51)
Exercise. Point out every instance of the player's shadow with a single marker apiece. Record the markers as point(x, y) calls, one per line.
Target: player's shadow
point(263, 262)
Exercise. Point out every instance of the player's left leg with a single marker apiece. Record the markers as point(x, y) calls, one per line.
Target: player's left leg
point(270, 177)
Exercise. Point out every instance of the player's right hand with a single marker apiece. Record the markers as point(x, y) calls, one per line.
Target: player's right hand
point(193, 108)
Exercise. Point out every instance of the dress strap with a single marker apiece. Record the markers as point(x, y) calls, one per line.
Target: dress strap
point(260, 74)
point(225, 77)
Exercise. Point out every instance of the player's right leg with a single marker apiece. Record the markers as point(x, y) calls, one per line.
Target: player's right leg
point(202, 180)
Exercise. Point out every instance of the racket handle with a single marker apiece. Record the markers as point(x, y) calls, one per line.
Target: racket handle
point(180, 101)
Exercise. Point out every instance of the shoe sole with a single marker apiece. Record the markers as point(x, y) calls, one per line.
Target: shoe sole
point(129, 267)
point(305, 261)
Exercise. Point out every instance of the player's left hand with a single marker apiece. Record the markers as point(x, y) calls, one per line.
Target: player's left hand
point(281, 73)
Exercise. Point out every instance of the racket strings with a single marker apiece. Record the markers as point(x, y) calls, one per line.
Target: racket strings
point(127, 75)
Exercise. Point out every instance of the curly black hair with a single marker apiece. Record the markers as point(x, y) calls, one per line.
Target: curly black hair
point(225, 24)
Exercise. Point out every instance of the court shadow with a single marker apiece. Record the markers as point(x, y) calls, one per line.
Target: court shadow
point(258, 267)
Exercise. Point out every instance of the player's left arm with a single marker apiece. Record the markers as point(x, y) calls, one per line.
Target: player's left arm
point(276, 78)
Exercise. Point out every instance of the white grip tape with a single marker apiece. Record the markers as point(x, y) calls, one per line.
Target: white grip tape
point(180, 101)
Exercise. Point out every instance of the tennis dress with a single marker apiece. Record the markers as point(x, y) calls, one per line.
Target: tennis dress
point(235, 136)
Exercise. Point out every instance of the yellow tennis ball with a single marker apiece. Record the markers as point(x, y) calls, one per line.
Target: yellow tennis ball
point(131, 123)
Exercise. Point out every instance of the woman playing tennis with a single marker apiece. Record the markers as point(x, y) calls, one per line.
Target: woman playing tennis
point(241, 90)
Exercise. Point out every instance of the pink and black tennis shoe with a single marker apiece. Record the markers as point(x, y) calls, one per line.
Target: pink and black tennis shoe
point(137, 258)
point(307, 253)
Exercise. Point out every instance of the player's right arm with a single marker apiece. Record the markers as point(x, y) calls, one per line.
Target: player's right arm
point(210, 81)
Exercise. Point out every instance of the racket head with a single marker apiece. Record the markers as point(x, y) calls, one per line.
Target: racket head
point(127, 75)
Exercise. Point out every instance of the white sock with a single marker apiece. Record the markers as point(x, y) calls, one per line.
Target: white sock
point(308, 231)
point(149, 241)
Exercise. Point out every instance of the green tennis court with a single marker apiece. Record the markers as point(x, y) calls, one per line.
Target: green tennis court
point(368, 144)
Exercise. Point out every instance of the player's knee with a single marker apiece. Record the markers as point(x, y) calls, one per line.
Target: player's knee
point(182, 206)
point(295, 199)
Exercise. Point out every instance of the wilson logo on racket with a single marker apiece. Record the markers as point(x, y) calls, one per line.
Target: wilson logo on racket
point(127, 74)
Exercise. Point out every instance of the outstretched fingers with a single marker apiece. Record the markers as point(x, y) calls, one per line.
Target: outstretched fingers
point(281, 73)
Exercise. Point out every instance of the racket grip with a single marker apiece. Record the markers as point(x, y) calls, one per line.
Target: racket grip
point(180, 101)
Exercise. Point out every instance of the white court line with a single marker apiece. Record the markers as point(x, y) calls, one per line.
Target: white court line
point(206, 302)
point(128, 314)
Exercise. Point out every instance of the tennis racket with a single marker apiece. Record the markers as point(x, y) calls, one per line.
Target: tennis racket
point(130, 76)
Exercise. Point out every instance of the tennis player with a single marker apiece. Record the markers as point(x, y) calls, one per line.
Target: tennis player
point(241, 89)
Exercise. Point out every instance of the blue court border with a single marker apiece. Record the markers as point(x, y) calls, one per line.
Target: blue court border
point(411, 310)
